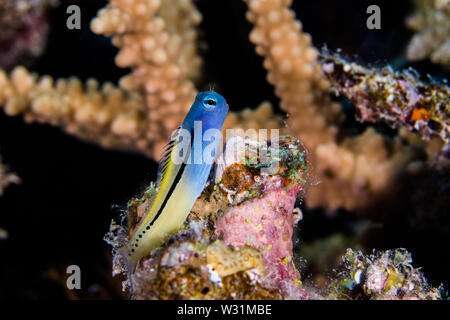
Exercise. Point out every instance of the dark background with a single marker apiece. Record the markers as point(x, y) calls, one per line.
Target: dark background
point(72, 189)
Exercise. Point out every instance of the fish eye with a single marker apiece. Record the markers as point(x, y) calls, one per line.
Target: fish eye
point(210, 103)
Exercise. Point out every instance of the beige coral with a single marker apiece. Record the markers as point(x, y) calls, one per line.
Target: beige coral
point(431, 21)
point(157, 39)
point(109, 116)
point(359, 171)
point(344, 167)
point(262, 117)
point(290, 60)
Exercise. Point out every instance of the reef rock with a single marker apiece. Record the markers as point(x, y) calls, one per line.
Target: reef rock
point(237, 240)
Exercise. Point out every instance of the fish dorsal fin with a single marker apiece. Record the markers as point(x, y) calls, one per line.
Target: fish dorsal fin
point(166, 156)
point(167, 171)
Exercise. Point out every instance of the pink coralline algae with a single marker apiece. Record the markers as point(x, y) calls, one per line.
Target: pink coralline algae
point(266, 224)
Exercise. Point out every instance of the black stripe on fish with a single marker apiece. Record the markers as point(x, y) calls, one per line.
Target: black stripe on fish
point(175, 182)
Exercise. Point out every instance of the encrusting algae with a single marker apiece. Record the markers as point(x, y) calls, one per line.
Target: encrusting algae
point(400, 99)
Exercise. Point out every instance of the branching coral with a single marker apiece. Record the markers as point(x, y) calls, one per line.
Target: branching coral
point(157, 39)
point(290, 60)
point(237, 242)
point(344, 167)
point(401, 100)
point(262, 117)
point(109, 115)
point(360, 171)
point(431, 21)
point(372, 162)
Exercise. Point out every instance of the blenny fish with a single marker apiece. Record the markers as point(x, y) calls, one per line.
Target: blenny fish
point(183, 172)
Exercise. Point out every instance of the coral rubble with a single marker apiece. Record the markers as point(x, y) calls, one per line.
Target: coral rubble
point(360, 171)
point(431, 21)
point(24, 30)
point(400, 99)
point(158, 40)
point(386, 275)
point(6, 178)
point(231, 245)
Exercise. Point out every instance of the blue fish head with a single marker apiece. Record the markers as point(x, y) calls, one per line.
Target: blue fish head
point(210, 108)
